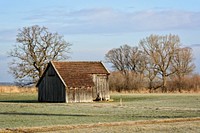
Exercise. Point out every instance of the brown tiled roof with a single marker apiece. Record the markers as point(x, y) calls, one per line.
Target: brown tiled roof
point(77, 74)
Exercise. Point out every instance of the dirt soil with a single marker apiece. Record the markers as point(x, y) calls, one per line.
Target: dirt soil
point(68, 127)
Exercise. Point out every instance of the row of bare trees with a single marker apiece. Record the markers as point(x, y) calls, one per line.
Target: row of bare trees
point(155, 61)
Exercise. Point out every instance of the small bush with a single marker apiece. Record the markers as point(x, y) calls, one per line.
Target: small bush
point(131, 82)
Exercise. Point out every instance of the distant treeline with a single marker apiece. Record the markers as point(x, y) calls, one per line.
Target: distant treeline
point(7, 84)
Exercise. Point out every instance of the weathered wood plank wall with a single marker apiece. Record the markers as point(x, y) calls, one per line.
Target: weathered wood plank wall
point(79, 94)
point(51, 89)
point(101, 86)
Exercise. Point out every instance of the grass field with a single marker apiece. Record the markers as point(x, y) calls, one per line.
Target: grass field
point(23, 111)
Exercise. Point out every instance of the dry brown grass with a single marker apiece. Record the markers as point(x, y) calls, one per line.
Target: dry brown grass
point(139, 84)
point(16, 89)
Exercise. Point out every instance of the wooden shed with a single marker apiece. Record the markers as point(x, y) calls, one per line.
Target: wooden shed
point(73, 82)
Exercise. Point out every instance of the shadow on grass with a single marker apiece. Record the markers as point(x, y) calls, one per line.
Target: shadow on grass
point(84, 115)
point(19, 101)
point(160, 117)
point(39, 114)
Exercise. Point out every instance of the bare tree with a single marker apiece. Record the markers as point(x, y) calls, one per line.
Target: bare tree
point(36, 47)
point(183, 64)
point(120, 58)
point(161, 51)
point(125, 59)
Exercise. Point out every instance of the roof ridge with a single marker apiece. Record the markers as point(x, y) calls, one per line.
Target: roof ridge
point(78, 61)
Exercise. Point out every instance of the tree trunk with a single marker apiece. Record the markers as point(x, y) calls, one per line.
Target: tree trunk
point(164, 83)
point(180, 83)
point(150, 86)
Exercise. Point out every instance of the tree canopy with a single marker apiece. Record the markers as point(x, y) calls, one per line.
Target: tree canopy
point(35, 47)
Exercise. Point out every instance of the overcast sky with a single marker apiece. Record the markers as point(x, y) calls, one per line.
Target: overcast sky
point(96, 26)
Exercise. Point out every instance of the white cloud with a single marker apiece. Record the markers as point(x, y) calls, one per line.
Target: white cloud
point(108, 20)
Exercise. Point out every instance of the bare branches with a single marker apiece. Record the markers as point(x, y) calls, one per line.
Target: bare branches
point(125, 58)
point(36, 47)
point(157, 58)
point(160, 51)
point(182, 62)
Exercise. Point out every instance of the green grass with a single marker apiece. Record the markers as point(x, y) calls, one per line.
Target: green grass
point(23, 110)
